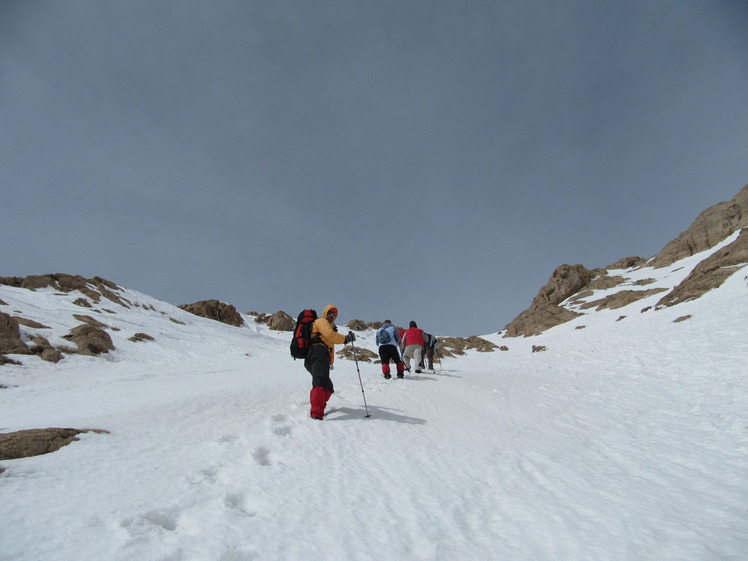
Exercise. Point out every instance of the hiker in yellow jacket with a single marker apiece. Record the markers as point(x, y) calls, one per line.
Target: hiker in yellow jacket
point(320, 358)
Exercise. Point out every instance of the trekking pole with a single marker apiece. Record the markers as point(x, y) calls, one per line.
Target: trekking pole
point(438, 354)
point(359, 379)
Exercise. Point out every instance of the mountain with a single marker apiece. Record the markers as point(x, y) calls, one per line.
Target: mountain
point(570, 291)
point(570, 288)
point(620, 434)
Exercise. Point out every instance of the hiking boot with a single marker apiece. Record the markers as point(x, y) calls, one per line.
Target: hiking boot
point(401, 375)
point(387, 376)
point(418, 371)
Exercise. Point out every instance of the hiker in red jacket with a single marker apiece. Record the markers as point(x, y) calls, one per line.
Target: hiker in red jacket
point(412, 345)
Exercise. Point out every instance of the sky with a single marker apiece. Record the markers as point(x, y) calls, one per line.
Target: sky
point(430, 160)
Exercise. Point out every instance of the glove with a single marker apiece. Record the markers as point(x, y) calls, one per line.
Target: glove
point(350, 337)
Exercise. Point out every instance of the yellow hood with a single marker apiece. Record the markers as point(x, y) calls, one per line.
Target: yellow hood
point(327, 309)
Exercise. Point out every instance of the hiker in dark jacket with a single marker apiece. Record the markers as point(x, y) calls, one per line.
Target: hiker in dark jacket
point(431, 345)
point(412, 345)
point(388, 339)
point(320, 358)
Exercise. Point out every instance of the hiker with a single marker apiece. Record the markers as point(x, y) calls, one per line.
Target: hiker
point(388, 339)
point(320, 358)
point(431, 345)
point(412, 345)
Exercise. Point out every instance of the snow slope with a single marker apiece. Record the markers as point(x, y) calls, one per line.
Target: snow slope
point(624, 440)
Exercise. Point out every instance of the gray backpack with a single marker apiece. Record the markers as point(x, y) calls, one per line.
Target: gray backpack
point(383, 336)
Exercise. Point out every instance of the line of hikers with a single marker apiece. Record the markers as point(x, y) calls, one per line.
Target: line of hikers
point(323, 335)
point(414, 344)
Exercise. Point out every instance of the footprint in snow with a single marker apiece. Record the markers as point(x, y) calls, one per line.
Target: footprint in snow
point(279, 425)
point(261, 455)
point(239, 555)
point(237, 502)
point(208, 474)
point(144, 523)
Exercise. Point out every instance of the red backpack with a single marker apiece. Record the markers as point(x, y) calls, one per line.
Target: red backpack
point(302, 334)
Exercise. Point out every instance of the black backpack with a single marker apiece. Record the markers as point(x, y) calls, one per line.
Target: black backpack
point(302, 334)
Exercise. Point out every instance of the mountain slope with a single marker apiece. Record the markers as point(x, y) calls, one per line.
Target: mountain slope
point(626, 438)
point(620, 433)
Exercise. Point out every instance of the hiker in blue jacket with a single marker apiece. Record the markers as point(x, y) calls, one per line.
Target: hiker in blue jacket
point(388, 339)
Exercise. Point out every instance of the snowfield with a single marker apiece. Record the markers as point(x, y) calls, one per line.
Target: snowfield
point(626, 439)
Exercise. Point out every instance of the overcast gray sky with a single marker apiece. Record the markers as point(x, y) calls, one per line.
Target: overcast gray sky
point(421, 160)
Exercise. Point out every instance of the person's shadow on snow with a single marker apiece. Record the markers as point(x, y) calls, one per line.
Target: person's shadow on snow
point(375, 412)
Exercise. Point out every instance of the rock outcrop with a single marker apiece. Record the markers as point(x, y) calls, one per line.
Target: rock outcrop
point(140, 337)
point(710, 273)
point(45, 350)
point(94, 288)
point(626, 263)
point(5, 360)
point(35, 442)
point(451, 346)
point(711, 227)
point(545, 312)
point(215, 310)
point(10, 337)
point(362, 354)
point(91, 340)
point(358, 325)
point(280, 321)
point(621, 299)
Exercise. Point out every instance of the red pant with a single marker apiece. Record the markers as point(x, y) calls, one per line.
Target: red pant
point(319, 397)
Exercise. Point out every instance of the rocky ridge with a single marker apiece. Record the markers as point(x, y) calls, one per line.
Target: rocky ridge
point(573, 289)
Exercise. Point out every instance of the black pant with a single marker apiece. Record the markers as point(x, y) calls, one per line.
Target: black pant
point(317, 362)
point(389, 352)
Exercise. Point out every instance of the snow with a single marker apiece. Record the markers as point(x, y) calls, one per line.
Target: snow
point(625, 440)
